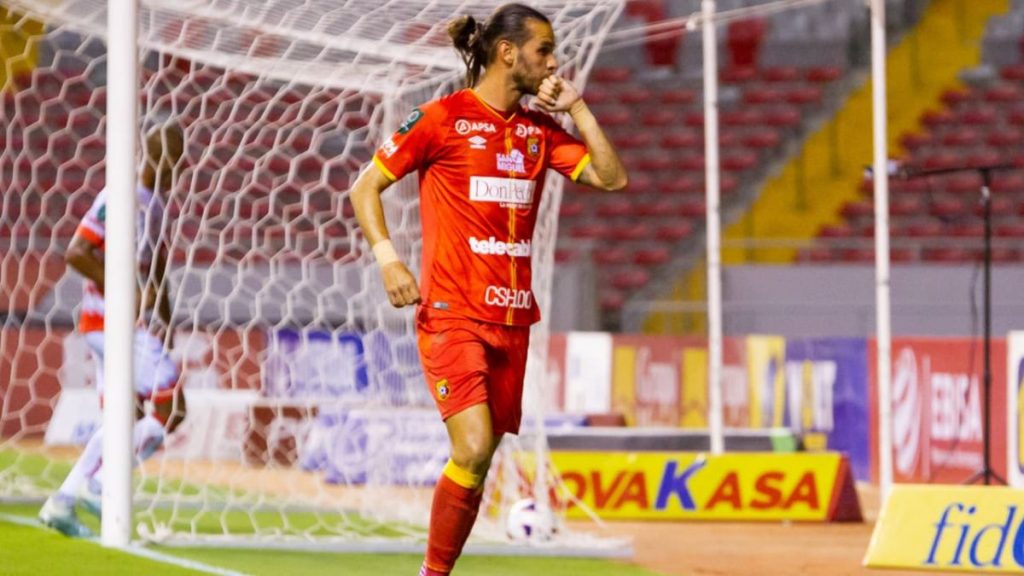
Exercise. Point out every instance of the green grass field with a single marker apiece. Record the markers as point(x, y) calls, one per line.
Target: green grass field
point(27, 548)
point(31, 550)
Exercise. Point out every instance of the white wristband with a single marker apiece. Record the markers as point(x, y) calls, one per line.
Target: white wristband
point(385, 253)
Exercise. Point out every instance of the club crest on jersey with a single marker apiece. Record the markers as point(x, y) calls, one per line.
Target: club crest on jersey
point(514, 161)
point(463, 127)
point(478, 142)
point(533, 146)
point(410, 121)
point(442, 388)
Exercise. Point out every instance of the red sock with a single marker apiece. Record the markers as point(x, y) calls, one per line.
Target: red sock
point(451, 520)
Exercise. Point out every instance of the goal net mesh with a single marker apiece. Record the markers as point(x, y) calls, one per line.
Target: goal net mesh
point(308, 417)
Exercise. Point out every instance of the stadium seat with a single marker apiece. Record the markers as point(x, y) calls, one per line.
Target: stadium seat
point(652, 256)
point(611, 256)
point(674, 232)
point(630, 279)
point(824, 74)
point(612, 75)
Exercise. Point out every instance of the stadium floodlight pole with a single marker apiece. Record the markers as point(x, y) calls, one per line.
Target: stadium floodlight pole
point(883, 315)
point(714, 225)
point(119, 271)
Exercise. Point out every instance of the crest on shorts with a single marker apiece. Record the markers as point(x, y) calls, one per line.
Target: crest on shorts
point(443, 390)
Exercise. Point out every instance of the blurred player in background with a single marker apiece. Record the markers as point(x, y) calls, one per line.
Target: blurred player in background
point(482, 159)
point(156, 376)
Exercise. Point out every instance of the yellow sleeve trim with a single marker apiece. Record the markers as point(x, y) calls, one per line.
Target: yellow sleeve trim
point(461, 477)
point(579, 167)
point(384, 168)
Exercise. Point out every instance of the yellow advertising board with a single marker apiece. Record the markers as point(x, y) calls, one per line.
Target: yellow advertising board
point(691, 486)
point(950, 529)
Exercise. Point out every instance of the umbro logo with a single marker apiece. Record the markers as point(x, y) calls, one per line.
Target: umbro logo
point(478, 142)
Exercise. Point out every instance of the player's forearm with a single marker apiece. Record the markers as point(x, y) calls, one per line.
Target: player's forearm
point(84, 261)
point(365, 198)
point(608, 168)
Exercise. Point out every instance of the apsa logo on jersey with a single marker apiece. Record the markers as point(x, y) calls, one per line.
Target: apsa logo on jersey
point(514, 161)
point(477, 142)
point(389, 148)
point(508, 298)
point(502, 190)
point(410, 121)
point(463, 127)
point(522, 130)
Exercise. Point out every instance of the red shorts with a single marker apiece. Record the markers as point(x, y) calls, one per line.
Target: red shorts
point(468, 362)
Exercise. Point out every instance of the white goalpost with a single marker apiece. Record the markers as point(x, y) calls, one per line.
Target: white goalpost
point(119, 270)
point(308, 422)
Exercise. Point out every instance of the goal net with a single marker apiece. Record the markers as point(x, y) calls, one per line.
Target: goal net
point(308, 418)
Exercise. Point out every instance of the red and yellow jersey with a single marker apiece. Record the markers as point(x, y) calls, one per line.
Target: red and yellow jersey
point(93, 229)
point(481, 174)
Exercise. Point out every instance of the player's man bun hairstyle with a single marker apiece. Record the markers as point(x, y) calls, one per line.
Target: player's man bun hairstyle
point(477, 43)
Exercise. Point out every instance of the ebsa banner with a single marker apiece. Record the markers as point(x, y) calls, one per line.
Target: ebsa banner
point(691, 486)
point(937, 409)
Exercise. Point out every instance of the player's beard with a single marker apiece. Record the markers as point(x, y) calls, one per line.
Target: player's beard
point(524, 82)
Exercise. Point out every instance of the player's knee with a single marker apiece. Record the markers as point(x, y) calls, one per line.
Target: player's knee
point(473, 455)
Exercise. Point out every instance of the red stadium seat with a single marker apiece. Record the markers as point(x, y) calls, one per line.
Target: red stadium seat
point(738, 75)
point(616, 207)
point(652, 256)
point(781, 74)
point(612, 300)
point(683, 138)
point(937, 118)
point(1004, 93)
point(948, 255)
point(611, 256)
point(946, 208)
point(571, 208)
point(630, 279)
point(804, 95)
point(763, 95)
point(635, 95)
point(744, 41)
point(1014, 230)
point(956, 96)
point(692, 209)
point(824, 75)
point(678, 96)
point(858, 209)
point(1005, 137)
point(925, 230)
point(588, 231)
point(612, 75)
point(1014, 73)
point(674, 232)
point(656, 208)
point(637, 231)
point(836, 231)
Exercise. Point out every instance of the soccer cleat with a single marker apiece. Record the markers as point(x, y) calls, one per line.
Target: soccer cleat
point(91, 502)
point(61, 517)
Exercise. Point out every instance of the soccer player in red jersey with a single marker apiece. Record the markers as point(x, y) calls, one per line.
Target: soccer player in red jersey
point(482, 159)
point(156, 376)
